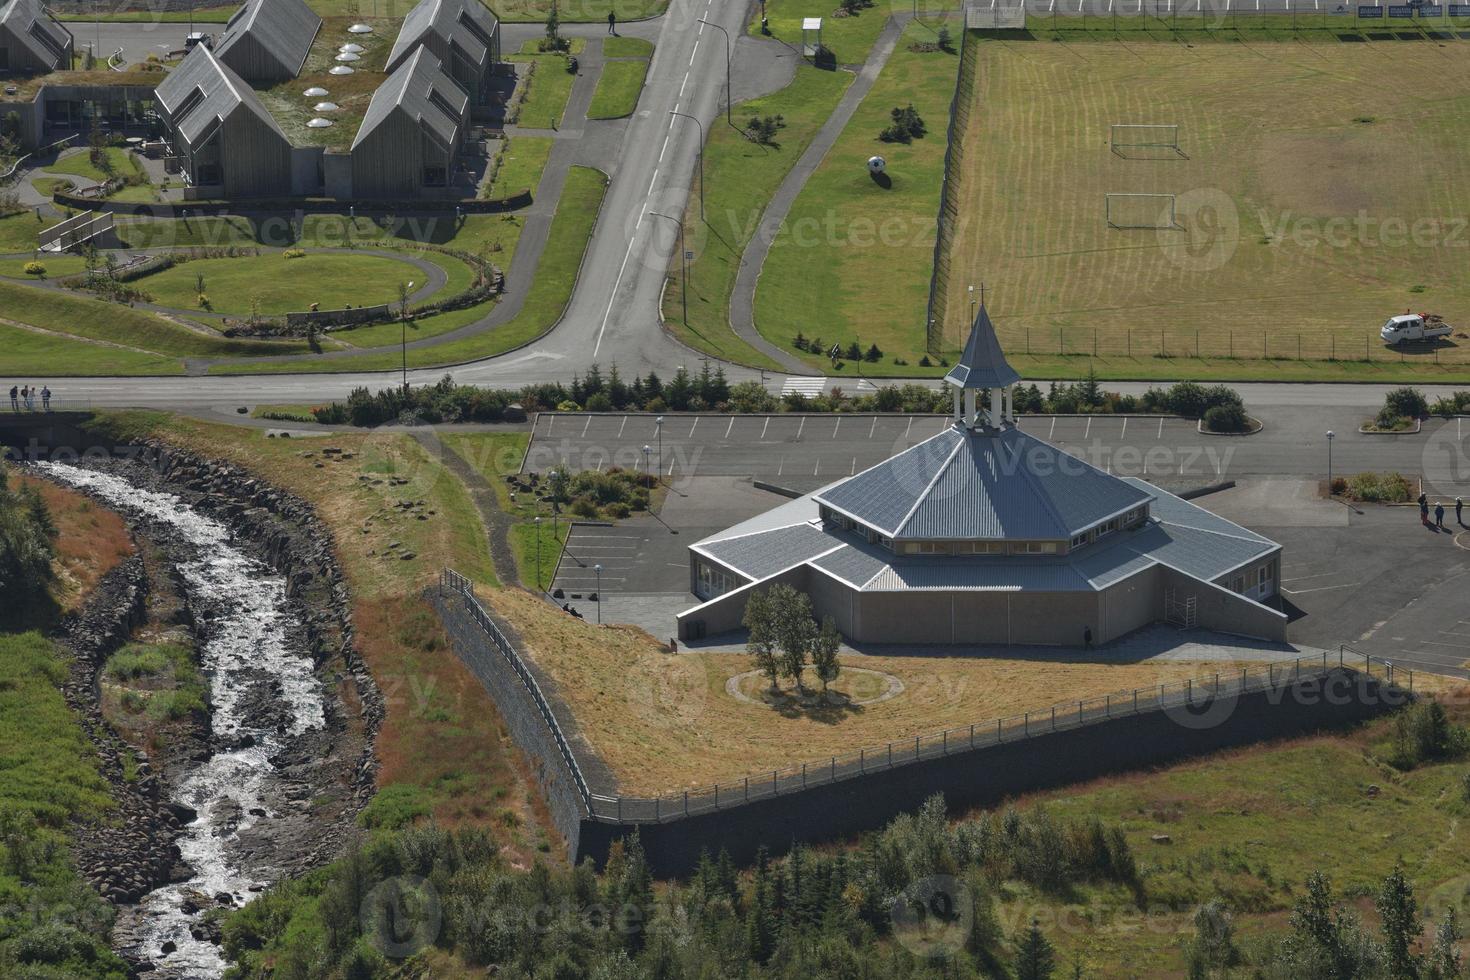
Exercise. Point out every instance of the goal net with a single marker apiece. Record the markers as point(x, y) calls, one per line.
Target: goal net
point(1122, 136)
point(1140, 210)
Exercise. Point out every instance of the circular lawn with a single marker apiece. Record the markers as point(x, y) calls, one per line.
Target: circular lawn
point(282, 285)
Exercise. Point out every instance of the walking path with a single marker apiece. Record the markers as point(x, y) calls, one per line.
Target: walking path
point(742, 300)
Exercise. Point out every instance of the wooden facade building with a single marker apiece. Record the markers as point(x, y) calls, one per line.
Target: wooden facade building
point(464, 35)
point(32, 42)
point(267, 41)
point(411, 135)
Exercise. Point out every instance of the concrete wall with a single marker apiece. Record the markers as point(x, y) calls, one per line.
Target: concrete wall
point(988, 776)
point(1222, 610)
point(1131, 604)
point(727, 612)
point(1034, 618)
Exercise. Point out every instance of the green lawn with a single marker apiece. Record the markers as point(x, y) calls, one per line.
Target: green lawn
point(469, 233)
point(26, 353)
point(855, 256)
point(458, 275)
point(79, 164)
point(79, 316)
point(740, 177)
point(848, 38)
point(1288, 241)
point(618, 89)
point(50, 185)
point(18, 231)
point(571, 230)
point(383, 334)
point(281, 285)
point(626, 47)
point(203, 15)
point(578, 11)
point(56, 266)
point(522, 159)
point(546, 93)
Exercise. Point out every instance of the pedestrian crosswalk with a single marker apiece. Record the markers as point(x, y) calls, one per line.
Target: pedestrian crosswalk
point(810, 387)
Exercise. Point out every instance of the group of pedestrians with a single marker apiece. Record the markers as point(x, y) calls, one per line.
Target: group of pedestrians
point(1438, 524)
point(24, 398)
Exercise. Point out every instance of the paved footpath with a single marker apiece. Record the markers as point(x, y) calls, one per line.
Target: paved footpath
point(742, 301)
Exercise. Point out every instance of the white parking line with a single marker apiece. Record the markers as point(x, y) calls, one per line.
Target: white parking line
point(1124, 433)
point(586, 427)
point(909, 427)
point(623, 426)
point(816, 468)
point(729, 427)
point(854, 466)
point(1321, 588)
point(693, 427)
point(1053, 429)
point(1303, 578)
point(800, 427)
point(1087, 430)
point(836, 427)
point(764, 427)
point(873, 428)
point(1452, 646)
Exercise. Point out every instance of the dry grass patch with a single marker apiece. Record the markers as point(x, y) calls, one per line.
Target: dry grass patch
point(91, 540)
point(1291, 230)
point(664, 722)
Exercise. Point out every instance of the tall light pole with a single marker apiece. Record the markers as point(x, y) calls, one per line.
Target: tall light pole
point(683, 263)
point(729, 92)
point(685, 115)
point(648, 464)
point(538, 553)
point(598, 570)
point(659, 425)
point(403, 292)
point(1330, 436)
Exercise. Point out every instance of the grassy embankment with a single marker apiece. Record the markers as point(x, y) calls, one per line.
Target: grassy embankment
point(621, 82)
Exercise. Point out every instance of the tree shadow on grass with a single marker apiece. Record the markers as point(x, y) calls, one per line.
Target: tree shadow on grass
point(831, 709)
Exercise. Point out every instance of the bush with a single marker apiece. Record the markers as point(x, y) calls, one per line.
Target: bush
point(294, 253)
point(763, 129)
point(1406, 402)
point(1226, 418)
point(1424, 733)
point(1380, 488)
point(906, 126)
point(37, 269)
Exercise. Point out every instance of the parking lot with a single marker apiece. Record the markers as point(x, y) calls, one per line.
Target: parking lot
point(1370, 577)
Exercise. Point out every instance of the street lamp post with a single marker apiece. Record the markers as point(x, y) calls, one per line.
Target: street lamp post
point(729, 106)
point(538, 553)
point(403, 323)
point(683, 263)
point(1330, 436)
point(598, 570)
point(659, 425)
point(648, 464)
point(675, 112)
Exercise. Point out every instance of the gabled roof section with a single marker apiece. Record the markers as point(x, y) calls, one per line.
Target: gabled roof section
point(202, 93)
point(467, 24)
point(284, 30)
point(983, 364)
point(988, 485)
point(421, 89)
point(28, 22)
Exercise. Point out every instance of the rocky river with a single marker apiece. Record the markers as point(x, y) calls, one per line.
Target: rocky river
point(272, 783)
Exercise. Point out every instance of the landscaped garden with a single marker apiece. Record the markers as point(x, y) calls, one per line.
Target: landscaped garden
point(270, 284)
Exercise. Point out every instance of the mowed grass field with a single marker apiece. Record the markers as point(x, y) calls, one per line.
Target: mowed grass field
point(281, 285)
point(1320, 188)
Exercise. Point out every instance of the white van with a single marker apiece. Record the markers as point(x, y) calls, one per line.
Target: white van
point(1414, 326)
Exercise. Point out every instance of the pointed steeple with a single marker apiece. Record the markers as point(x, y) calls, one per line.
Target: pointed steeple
point(983, 364)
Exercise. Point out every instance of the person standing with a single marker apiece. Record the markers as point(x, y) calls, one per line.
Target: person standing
point(1424, 507)
point(612, 23)
point(45, 398)
point(1459, 508)
point(1439, 516)
point(14, 398)
point(25, 396)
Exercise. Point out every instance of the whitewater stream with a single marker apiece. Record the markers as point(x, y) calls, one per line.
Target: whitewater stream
point(244, 628)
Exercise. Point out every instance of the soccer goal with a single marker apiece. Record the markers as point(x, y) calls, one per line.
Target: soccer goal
point(1139, 136)
point(1140, 210)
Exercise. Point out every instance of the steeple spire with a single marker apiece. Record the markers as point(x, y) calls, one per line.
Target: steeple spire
point(982, 366)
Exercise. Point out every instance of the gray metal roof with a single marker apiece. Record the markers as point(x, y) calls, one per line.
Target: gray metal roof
point(284, 29)
point(420, 88)
point(983, 364)
point(982, 484)
point(768, 552)
point(1189, 539)
point(465, 24)
point(29, 24)
point(201, 93)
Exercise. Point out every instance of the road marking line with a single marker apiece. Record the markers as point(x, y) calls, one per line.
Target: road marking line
point(616, 283)
point(781, 466)
point(800, 427)
point(836, 427)
point(671, 466)
point(586, 427)
point(1303, 578)
point(1124, 433)
point(765, 427)
point(854, 466)
point(1050, 432)
point(1161, 428)
point(909, 427)
point(874, 427)
point(1321, 588)
point(729, 427)
point(693, 427)
point(1441, 643)
point(817, 467)
point(1087, 430)
point(667, 136)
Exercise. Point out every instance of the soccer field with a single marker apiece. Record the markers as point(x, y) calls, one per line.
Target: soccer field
point(1319, 188)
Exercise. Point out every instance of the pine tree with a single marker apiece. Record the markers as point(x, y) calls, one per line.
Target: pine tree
point(1444, 957)
point(1399, 911)
point(1035, 960)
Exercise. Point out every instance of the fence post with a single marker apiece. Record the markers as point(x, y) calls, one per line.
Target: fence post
point(775, 789)
point(747, 789)
point(620, 809)
point(916, 748)
point(803, 775)
point(1026, 724)
point(1189, 691)
point(890, 755)
point(862, 760)
point(1135, 700)
point(686, 803)
point(944, 745)
point(717, 796)
point(834, 769)
point(1108, 706)
point(657, 815)
point(972, 736)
